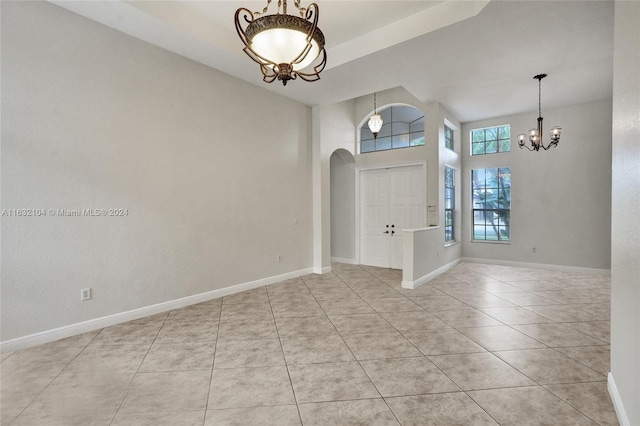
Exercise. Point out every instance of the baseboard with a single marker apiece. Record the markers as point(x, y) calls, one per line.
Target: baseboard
point(323, 270)
point(412, 285)
point(561, 268)
point(98, 323)
point(343, 260)
point(617, 401)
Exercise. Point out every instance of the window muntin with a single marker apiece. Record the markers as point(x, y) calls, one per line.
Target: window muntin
point(491, 192)
point(449, 204)
point(403, 127)
point(491, 140)
point(448, 137)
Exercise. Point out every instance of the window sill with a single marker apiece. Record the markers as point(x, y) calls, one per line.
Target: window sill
point(491, 242)
point(451, 243)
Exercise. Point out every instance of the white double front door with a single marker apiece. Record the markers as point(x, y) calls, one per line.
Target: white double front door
point(391, 199)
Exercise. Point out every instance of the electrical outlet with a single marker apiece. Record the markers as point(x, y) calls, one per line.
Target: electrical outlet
point(534, 249)
point(85, 294)
point(278, 258)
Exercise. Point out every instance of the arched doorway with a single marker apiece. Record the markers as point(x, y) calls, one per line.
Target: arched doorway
point(343, 215)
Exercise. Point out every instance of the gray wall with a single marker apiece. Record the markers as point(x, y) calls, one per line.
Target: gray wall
point(343, 215)
point(215, 173)
point(561, 198)
point(625, 229)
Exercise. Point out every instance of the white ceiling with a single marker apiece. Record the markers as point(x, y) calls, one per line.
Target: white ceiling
point(476, 57)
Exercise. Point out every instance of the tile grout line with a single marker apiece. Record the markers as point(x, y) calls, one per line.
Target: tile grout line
point(135, 374)
point(286, 364)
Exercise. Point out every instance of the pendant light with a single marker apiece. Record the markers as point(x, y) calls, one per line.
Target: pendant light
point(535, 135)
point(375, 121)
point(285, 46)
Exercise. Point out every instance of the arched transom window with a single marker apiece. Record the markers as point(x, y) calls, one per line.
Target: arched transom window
point(403, 127)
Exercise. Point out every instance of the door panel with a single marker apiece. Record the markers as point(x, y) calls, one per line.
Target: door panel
point(390, 200)
point(374, 202)
point(407, 206)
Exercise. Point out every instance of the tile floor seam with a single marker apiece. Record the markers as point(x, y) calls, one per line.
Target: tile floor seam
point(572, 405)
point(359, 364)
point(126, 393)
point(482, 408)
point(285, 360)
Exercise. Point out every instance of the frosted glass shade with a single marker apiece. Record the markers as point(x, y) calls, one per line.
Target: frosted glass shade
point(283, 46)
point(375, 123)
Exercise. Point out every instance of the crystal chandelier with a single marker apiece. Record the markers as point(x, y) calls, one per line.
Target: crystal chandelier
point(535, 135)
point(375, 121)
point(285, 46)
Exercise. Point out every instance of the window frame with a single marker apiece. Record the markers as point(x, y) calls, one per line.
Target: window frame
point(449, 142)
point(501, 209)
point(499, 141)
point(449, 209)
point(393, 135)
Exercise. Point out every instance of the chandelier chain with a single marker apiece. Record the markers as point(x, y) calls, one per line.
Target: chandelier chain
point(302, 10)
point(539, 97)
point(264, 10)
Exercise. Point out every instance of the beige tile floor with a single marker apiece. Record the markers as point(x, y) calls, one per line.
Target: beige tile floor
point(478, 345)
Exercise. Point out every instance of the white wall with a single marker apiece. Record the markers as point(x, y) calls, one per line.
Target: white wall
point(333, 129)
point(213, 172)
point(625, 228)
point(432, 153)
point(561, 198)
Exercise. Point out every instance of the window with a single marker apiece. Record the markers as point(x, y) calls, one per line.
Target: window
point(491, 191)
point(448, 137)
point(449, 205)
point(403, 127)
point(491, 140)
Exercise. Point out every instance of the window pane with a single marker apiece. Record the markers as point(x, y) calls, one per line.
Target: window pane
point(448, 137)
point(417, 126)
point(448, 201)
point(416, 139)
point(477, 136)
point(367, 146)
point(400, 141)
point(491, 147)
point(448, 133)
point(504, 132)
point(383, 143)
point(505, 145)
point(478, 149)
point(491, 133)
point(448, 177)
point(365, 133)
point(399, 128)
point(491, 199)
point(385, 130)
